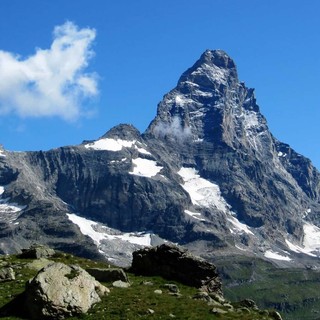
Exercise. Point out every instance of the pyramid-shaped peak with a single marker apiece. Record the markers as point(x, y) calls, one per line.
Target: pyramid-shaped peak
point(218, 58)
point(213, 68)
point(124, 132)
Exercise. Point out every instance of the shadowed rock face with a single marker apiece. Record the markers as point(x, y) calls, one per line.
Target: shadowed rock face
point(207, 173)
point(174, 263)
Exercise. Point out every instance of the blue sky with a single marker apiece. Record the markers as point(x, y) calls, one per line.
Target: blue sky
point(127, 54)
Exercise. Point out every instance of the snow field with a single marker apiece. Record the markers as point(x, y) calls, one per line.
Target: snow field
point(145, 168)
point(276, 256)
point(87, 228)
point(110, 144)
point(202, 192)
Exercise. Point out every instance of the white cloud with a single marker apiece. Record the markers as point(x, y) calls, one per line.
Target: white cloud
point(52, 82)
point(173, 129)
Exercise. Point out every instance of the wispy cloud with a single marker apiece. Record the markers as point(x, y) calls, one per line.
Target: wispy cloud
point(172, 129)
point(52, 82)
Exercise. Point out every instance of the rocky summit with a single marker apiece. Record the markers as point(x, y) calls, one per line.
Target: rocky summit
point(206, 174)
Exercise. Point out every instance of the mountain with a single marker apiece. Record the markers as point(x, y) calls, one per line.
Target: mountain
point(207, 174)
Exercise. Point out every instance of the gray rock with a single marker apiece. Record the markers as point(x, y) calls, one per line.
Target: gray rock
point(7, 274)
point(38, 264)
point(204, 296)
point(59, 291)
point(248, 303)
point(275, 314)
point(174, 263)
point(108, 274)
point(171, 287)
point(120, 284)
point(147, 283)
point(217, 310)
point(37, 251)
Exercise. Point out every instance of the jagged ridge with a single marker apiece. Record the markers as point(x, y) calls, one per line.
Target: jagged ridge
point(207, 173)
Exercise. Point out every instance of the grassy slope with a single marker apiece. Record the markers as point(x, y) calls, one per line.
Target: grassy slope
point(131, 303)
point(293, 292)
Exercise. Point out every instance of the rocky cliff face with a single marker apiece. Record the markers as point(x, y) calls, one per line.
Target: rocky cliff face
point(207, 173)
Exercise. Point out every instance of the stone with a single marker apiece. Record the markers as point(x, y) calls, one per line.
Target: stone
point(7, 274)
point(37, 251)
point(157, 291)
point(217, 298)
point(175, 263)
point(244, 310)
point(147, 283)
point(218, 311)
point(59, 291)
point(248, 303)
point(275, 314)
point(171, 287)
point(230, 306)
point(204, 296)
point(108, 274)
point(38, 264)
point(120, 284)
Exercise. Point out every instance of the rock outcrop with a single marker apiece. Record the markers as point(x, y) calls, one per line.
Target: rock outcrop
point(108, 274)
point(37, 251)
point(174, 263)
point(59, 291)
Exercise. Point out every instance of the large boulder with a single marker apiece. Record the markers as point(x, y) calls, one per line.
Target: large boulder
point(37, 251)
point(108, 274)
point(60, 291)
point(175, 263)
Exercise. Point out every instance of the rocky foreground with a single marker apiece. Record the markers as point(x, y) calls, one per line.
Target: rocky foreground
point(163, 282)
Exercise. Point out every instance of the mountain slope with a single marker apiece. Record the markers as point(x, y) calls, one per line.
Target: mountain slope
point(207, 173)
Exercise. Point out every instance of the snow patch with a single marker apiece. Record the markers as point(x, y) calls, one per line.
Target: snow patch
point(305, 214)
point(311, 241)
point(242, 249)
point(182, 100)
point(238, 226)
point(2, 153)
point(89, 228)
point(197, 114)
point(110, 144)
point(276, 256)
point(142, 150)
point(117, 161)
point(298, 249)
point(145, 168)
point(281, 154)
point(202, 192)
point(195, 215)
point(250, 119)
point(9, 211)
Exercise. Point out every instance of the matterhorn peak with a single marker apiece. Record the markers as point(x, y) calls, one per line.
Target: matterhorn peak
point(213, 69)
point(209, 104)
point(218, 58)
